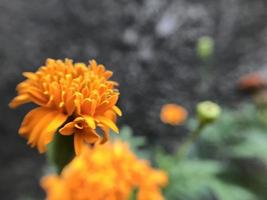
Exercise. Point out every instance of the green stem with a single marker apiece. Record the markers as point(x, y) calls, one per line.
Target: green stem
point(184, 148)
point(61, 151)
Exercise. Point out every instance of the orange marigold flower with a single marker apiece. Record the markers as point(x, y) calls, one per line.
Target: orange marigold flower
point(66, 91)
point(173, 114)
point(106, 172)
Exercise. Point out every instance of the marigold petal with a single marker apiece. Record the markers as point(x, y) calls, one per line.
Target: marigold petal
point(29, 75)
point(47, 134)
point(105, 137)
point(31, 119)
point(91, 136)
point(106, 121)
point(78, 143)
point(37, 96)
point(113, 100)
point(68, 129)
point(69, 102)
point(90, 121)
point(43, 122)
point(19, 100)
point(117, 110)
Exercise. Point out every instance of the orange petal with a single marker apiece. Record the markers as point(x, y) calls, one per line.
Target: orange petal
point(107, 122)
point(69, 102)
point(77, 102)
point(68, 129)
point(90, 121)
point(86, 106)
point(42, 123)
point(19, 100)
point(56, 90)
point(37, 96)
point(78, 143)
point(105, 137)
point(117, 110)
point(31, 119)
point(102, 107)
point(113, 100)
point(48, 132)
point(29, 75)
point(91, 136)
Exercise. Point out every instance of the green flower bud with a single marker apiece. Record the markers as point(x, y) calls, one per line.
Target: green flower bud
point(205, 47)
point(208, 111)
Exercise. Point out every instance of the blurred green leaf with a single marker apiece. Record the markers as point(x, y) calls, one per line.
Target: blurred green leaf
point(198, 179)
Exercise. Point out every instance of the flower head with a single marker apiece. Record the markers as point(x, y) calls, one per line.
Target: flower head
point(205, 47)
point(173, 114)
point(108, 172)
point(208, 111)
point(70, 92)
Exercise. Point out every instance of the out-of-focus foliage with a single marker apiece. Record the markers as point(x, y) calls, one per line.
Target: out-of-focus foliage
point(232, 133)
point(228, 161)
point(239, 140)
point(199, 179)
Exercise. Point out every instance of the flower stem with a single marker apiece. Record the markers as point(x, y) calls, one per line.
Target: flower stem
point(60, 151)
point(184, 148)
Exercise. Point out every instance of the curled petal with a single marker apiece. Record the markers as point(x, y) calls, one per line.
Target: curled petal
point(78, 143)
point(105, 137)
point(91, 136)
point(68, 129)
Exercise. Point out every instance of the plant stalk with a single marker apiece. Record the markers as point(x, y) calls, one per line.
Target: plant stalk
point(184, 148)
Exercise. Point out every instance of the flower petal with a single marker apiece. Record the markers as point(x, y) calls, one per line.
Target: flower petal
point(91, 136)
point(105, 137)
point(30, 120)
point(43, 121)
point(68, 129)
point(78, 143)
point(48, 132)
point(90, 121)
point(19, 100)
point(106, 121)
point(37, 96)
point(117, 110)
point(30, 75)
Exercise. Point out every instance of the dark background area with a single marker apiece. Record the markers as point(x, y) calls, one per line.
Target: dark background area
point(150, 47)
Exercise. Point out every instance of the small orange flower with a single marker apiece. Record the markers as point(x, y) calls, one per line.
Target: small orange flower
point(252, 81)
point(108, 172)
point(64, 91)
point(173, 114)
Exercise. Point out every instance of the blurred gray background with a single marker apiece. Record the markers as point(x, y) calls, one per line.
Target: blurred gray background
point(150, 46)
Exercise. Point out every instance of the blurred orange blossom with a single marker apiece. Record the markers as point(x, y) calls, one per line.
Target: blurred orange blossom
point(173, 114)
point(106, 172)
point(77, 96)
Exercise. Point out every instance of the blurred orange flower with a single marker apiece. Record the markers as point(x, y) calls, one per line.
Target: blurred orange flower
point(70, 92)
point(106, 172)
point(173, 114)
